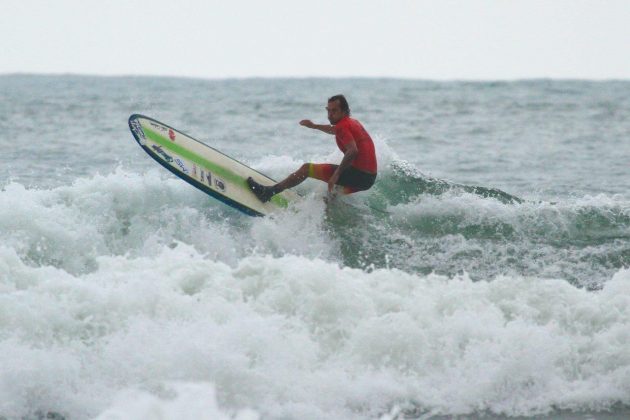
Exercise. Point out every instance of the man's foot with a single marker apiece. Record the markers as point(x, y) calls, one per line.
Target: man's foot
point(263, 193)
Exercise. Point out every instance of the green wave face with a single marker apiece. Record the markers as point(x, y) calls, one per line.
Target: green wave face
point(422, 224)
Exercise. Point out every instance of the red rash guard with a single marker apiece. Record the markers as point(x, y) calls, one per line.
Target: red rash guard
point(348, 130)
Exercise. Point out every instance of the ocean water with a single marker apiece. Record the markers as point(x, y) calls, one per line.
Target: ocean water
point(485, 275)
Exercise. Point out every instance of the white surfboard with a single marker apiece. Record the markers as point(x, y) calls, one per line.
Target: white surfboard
point(204, 167)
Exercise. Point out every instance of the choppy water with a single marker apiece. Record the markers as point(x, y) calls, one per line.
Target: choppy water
point(484, 274)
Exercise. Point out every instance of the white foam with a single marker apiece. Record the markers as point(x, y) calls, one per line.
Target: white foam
point(182, 401)
point(130, 285)
point(128, 213)
point(303, 338)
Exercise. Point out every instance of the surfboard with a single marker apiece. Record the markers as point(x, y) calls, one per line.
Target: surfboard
point(204, 167)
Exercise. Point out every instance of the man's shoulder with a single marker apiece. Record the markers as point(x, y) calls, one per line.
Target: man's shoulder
point(342, 124)
point(349, 122)
point(355, 125)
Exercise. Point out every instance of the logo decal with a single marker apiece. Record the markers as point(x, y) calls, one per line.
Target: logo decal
point(181, 165)
point(171, 134)
point(136, 127)
point(219, 184)
point(157, 126)
point(162, 153)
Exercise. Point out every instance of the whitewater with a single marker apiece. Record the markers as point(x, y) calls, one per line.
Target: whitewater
point(486, 274)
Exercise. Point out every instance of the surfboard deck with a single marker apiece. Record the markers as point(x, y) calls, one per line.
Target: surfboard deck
point(204, 167)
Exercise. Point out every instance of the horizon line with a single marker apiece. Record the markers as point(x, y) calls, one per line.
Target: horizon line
point(316, 77)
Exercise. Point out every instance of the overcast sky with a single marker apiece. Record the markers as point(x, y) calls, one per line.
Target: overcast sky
point(428, 39)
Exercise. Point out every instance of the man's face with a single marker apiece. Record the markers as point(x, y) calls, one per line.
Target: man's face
point(335, 114)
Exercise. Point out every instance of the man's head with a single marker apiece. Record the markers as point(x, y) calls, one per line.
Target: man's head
point(337, 108)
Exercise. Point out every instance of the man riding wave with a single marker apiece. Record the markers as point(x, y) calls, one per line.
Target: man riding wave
point(356, 171)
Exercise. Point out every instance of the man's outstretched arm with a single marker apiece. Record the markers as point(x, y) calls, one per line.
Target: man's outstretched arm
point(326, 128)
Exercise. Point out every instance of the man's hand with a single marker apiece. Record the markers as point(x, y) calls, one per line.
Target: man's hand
point(348, 156)
point(307, 123)
point(333, 181)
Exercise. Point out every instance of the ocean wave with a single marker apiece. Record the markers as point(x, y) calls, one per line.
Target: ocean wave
point(583, 240)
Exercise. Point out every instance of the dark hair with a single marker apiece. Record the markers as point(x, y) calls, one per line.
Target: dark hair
point(342, 102)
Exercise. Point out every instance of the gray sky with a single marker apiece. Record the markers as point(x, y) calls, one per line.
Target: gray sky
point(464, 39)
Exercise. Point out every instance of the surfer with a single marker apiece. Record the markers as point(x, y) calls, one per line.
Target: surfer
point(355, 172)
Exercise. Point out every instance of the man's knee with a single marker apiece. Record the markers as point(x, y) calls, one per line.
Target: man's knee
point(304, 169)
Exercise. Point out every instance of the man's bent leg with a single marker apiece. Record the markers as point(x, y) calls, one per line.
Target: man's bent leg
point(321, 171)
point(296, 178)
point(264, 193)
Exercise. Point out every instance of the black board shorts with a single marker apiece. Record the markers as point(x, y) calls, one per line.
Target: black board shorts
point(352, 178)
